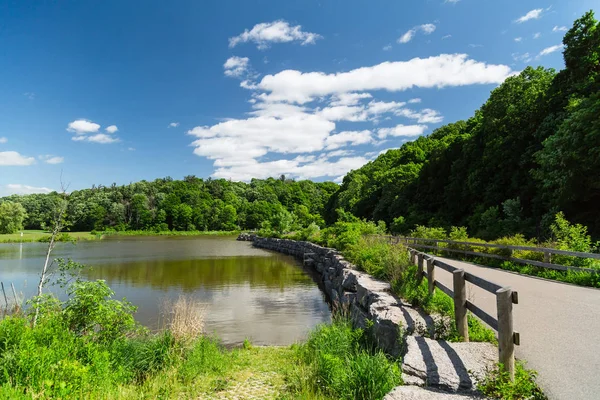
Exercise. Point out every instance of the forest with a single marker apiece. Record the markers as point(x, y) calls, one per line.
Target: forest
point(183, 205)
point(531, 151)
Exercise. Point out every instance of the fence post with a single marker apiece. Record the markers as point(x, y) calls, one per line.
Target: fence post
point(460, 303)
point(547, 257)
point(506, 345)
point(431, 275)
point(420, 267)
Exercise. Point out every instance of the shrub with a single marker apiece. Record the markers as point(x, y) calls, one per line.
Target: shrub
point(343, 368)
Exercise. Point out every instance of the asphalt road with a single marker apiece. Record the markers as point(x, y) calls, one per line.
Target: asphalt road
point(559, 326)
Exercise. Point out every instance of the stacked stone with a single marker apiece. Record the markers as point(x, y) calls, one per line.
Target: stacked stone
point(398, 328)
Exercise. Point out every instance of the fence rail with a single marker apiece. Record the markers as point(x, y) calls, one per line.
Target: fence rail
point(505, 298)
point(418, 242)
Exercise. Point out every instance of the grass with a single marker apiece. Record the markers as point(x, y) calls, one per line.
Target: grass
point(169, 233)
point(42, 236)
point(89, 346)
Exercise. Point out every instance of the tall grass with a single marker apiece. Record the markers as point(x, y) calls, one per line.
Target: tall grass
point(341, 364)
point(183, 318)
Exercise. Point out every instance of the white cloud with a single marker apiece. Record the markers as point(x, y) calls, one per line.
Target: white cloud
point(348, 99)
point(3, 140)
point(533, 14)
point(425, 116)
point(353, 138)
point(446, 37)
point(518, 39)
point(344, 113)
point(173, 124)
point(551, 49)
point(274, 32)
point(82, 126)
point(401, 130)
point(29, 95)
point(387, 47)
point(451, 1)
point(237, 67)
point(537, 35)
point(14, 188)
point(559, 29)
point(131, 148)
point(427, 29)
point(339, 153)
point(12, 158)
point(50, 159)
point(101, 138)
point(407, 37)
point(414, 101)
point(475, 45)
point(438, 71)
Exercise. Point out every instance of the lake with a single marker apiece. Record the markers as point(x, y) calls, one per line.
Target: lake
point(251, 293)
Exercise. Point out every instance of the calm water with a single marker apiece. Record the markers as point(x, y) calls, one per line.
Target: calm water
point(249, 293)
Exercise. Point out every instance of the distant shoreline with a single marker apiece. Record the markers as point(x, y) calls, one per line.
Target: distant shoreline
point(42, 237)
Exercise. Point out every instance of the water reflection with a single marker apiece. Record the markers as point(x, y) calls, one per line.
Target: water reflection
point(250, 293)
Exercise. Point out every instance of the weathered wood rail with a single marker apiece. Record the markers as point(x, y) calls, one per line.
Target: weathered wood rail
point(433, 244)
point(505, 298)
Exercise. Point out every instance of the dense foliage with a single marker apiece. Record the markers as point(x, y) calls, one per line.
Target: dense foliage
point(186, 205)
point(12, 216)
point(531, 150)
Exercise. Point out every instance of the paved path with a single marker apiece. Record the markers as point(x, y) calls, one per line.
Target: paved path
point(559, 326)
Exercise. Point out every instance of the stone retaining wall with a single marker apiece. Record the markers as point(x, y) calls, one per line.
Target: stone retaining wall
point(398, 328)
point(366, 298)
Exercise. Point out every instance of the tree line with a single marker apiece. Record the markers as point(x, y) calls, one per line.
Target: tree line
point(532, 150)
point(184, 205)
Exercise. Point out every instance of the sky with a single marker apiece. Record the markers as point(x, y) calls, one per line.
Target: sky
point(96, 92)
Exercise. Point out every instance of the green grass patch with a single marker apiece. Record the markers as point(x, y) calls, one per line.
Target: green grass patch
point(43, 236)
point(497, 384)
point(169, 233)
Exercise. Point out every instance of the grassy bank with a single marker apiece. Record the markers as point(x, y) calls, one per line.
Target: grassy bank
point(90, 346)
point(43, 236)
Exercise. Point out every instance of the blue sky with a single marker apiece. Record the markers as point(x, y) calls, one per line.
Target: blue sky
point(120, 91)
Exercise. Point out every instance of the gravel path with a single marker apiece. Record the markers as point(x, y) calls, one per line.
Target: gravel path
point(559, 326)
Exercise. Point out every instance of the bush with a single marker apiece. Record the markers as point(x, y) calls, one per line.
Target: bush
point(343, 368)
point(378, 257)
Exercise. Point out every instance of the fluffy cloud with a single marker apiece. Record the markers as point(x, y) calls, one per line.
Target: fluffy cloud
point(12, 158)
point(14, 188)
point(427, 29)
point(173, 124)
point(3, 140)
point(551, 49)
point(559, 29)
point(50, 159)
point(274, 32)
point(237, 67)
point(533, 14)
point(401, 130)
point(438, 71)
point(353, 138)
point(525, 57)
point(518, 39)
point(83, 128)
point(537, 35)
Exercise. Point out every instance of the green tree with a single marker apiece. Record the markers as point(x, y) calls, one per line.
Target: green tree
point(12, 216)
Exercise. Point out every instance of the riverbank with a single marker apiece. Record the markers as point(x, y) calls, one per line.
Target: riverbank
point(30, 236)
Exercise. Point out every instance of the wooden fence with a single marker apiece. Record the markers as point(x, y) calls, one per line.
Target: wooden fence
point(505, 298)
point(547, 252)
